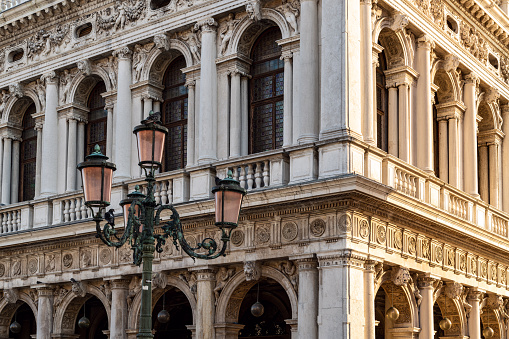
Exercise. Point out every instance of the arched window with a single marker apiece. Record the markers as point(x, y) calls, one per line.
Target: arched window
point(382, 99)
point(267, 89)
point(97, 120)
point(174, 115)
point(28, 156)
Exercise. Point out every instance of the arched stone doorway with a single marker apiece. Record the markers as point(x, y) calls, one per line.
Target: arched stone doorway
point(277, 308)
point(25, 317)
point(380, 310)
point(94, 310)
point(181, 314)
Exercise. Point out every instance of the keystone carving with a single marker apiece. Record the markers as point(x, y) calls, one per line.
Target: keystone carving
point(252, 270)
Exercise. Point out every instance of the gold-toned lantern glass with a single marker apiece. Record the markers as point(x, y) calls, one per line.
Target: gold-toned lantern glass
point(97, 175)
point(228, 199)
point(150, 136)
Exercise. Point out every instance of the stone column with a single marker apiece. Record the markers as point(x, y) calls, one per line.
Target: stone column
point(483, 173)
point(404, 123)
point(15, 170)
point(424, 114)
point(244, 89)
point(38, 160)
point(6, 171)
point(504, 5)
point(308, 298)
point(136, 117)
point(470, 135)
point(205, 303)
point(109, 131)
point(393, 121)
point(62, 154)
point(367, 74)
point(191, 122)
point(297, 96)
point(147, 106)
point(494, 173)
point(80, 151)
point(1, 164)
point(44, 312)
point(474, 298)
point(157, 106)
point(310, 106)
point(505, 155)
point(208, 92)
point(453, 152)
point(72, 155)
point(369, 300)
point(119, 311)
point(288, 100)
point(224, 111)
point(235, 115)
point(443, 158)
point(123, 131)
point(426, 310)
point(341, 301)
point(49, 170)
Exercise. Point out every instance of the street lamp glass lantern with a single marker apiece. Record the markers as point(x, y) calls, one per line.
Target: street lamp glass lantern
point(228, 198)
point(97, 176)
point(150, 138)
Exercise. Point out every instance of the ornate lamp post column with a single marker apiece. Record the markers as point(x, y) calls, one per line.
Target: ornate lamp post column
point(142, 213)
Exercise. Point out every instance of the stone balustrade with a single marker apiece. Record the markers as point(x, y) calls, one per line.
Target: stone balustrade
point(264, 171)
point(8, 4)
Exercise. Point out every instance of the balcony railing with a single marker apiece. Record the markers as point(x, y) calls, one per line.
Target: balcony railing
point(264, 171)
point(8, 4)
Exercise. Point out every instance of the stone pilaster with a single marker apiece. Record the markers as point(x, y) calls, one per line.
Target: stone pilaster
point(308, 297)
point(426, 286)
point(470, 135)
point(72, 155)
point(369, 300)
point(424, 115)
point(474, 298)
point(16, 143)
point(310, 106)
point(123, 129)
point(208, 92)
point(191, 122)
point(6, 171)
point(288, 99)
point(119, 312)
point(235, 114)
point(367, 73)
point(49, 170)
point(44, 311)
point(505, 155)
point(205, 303)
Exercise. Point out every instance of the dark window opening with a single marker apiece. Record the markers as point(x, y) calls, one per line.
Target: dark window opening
point(28, 156)
point(266, 90)
point(97, 120)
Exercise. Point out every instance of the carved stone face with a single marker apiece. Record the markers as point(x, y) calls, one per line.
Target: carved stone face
point(251, 271)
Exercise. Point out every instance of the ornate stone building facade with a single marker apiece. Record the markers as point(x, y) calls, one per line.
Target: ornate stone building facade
point(370, 135)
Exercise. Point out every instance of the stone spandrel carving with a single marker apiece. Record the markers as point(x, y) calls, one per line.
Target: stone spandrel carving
point(105, 287)
point(16, 89)
point(290, 271)
point(252, 270)
point(140, 56)
point(85, 66)
point(400, 276)
point(78, 288)
point(254, 9)
point(162, 42)
point(193, 40)
point(46, 42)
point(291, 11)
point(110, 65)
point(190, 279)
point(226, 32)
point(159, 280)
point(11, 295)
point(223, 275)
point(134, 289)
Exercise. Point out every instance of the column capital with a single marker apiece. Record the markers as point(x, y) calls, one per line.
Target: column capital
point(44, 290)
point(204, 273)
point(475, 294)
point(123, 53)
point(118, 282)
point(286, 56)
point(50, 78)
point(369, 265)
point(190, 83)
point(208, 25)
point(306, 264)
point(472, 79)
point(366, 2)
point(424, 41)
point(426, 282)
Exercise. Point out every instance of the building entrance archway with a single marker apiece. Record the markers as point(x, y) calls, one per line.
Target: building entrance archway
point(181, 314)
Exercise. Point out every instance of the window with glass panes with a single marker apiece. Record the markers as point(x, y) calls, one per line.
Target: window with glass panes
point(28, 156)
point(382, 119)
point(266, 90)
point(174, 115)
point(97, 120)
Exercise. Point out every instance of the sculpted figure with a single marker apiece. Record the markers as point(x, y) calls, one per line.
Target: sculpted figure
point(223, 275)
point(140, 56)
point(121, 18)
point(227, 32)
point(291, 13)
point(254, 10)
point(194, 45)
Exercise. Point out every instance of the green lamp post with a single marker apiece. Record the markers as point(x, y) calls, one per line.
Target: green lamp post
point(142, 213)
